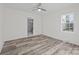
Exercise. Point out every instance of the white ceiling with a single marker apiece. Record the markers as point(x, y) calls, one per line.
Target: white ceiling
point(49, 6)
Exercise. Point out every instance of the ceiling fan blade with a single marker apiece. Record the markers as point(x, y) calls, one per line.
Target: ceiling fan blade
point(43, 9)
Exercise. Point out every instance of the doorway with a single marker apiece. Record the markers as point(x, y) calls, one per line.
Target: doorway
point(29, 26)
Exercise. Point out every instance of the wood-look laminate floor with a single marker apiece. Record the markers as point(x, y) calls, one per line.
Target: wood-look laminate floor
point(39, 45)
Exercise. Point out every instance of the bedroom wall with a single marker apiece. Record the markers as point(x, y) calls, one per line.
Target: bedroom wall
point(15, 24)
point(1, 20)
point(52, 25)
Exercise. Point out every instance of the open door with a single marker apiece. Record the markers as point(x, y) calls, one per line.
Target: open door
point(30, 26)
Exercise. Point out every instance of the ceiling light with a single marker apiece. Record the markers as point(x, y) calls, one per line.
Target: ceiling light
point(39, 9)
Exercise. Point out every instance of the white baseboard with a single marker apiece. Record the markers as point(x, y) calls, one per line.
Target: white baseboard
point(73, 42)
point(13, 38)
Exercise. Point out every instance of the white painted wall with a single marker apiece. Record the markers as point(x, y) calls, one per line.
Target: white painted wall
point(52, 25)
point(1, 21)
point(15, 24)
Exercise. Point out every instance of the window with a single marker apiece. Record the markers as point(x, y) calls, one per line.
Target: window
point(67, 22)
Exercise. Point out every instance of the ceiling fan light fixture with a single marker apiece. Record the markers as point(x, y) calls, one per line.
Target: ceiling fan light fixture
point(39, 9)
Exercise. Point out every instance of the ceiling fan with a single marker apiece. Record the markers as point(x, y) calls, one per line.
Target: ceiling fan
point(39, 7)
